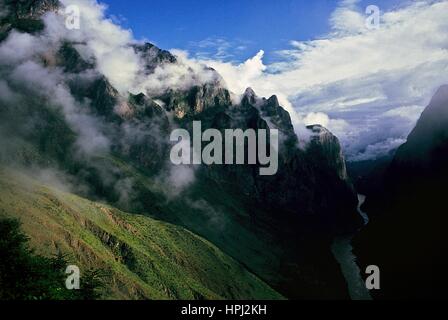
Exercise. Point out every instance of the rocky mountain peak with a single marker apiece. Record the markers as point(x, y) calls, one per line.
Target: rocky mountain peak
point(249, 97)
point(318, 130)
point(441, 96)
point(329, 149)
point(430, 132)
point(249, 92)
point(153, 56)
point(274, 101)
point(271, 106)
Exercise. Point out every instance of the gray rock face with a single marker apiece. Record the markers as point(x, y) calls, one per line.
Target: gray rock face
point(189, 103)
point(153, 56)
point(70, 60)
point(300, 173)
point(325, 143)
point(305, 204)
point(33, 9)
point(25, 15)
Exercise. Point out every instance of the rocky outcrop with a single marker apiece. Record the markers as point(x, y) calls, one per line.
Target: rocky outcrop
point(32, 9)
point(153, 56)
point(69, 59)
point(186, 104)
point(24, 15)
point(324, 143)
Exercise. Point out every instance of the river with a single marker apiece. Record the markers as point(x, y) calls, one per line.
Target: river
point(343, 251)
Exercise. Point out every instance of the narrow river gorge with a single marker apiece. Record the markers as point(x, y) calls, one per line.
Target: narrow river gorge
point(343, 251)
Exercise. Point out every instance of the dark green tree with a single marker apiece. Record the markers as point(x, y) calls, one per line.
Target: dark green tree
point(25, 275)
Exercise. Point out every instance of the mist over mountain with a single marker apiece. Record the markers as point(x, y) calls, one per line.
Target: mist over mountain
point(87, 117)
point(367, 86)
point(89, 112)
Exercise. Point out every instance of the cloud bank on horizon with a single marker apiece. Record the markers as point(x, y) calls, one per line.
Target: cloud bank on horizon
point(368, 86)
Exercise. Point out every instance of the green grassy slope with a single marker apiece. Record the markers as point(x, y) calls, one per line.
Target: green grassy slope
point(146, 259)
point(210, 211)
point(250, 234)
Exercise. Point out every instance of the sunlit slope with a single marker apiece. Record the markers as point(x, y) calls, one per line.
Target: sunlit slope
point(145, 258)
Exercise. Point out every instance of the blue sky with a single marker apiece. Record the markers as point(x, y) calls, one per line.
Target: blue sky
point(368, 86)
point(246, 26)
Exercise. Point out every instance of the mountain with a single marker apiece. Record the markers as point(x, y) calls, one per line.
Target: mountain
point(153, 56)
point(292, 216)
point(367, 175)
point(327, 145)
point(430, 135)
point(24, 15)
point(143, 258)
point(406, 237)
point(106, 146)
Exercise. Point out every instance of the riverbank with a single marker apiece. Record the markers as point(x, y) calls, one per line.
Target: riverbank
point(343, 252)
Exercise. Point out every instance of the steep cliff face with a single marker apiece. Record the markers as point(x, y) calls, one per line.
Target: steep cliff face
point(291, 216)
point(328, 147)
point(300, 173)
point(280, 227)
point(430, 135)
point(195, 100)
point(406, 238)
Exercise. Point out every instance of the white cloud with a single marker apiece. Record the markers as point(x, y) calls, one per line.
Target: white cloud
point(336, 126)
point(357, 74)
point(217, 48)
point(182, 75)
point(106, 42)
point(407, 112)
point(346, 19)
point(100, 40)
point(239, 77)
point(40, 81)
point(367, 86)
point(19, 47)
